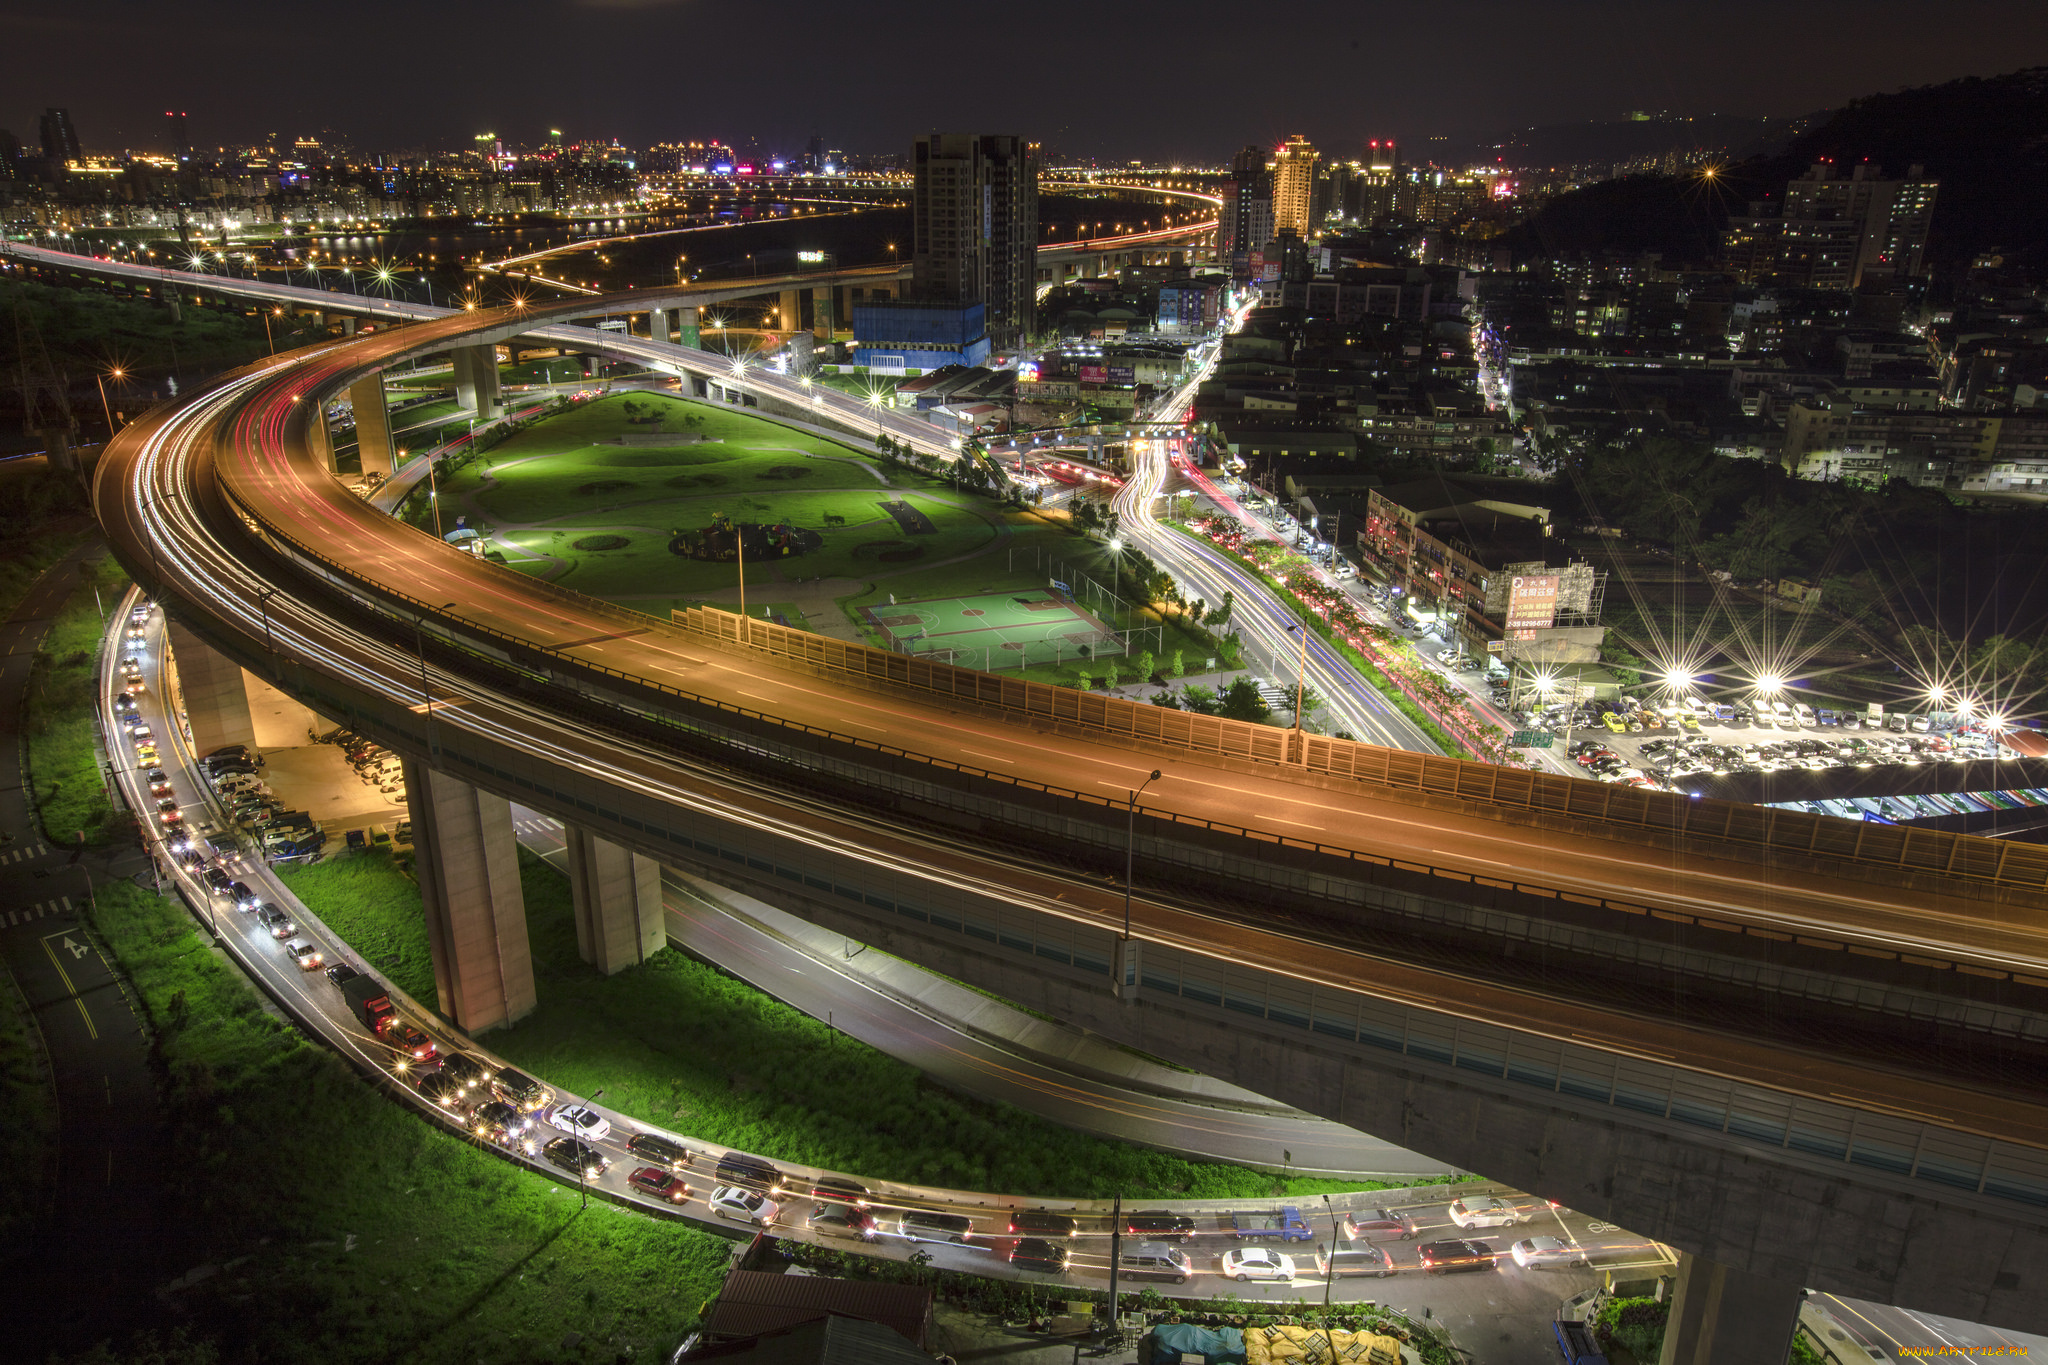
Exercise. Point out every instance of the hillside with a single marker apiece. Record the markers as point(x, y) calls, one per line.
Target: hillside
point(1984, 138)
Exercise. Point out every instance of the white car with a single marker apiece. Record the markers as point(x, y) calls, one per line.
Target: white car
point(1257, 1263)
point(1486, 1213)
point(1546, 1251)
point(579, 1121)
point(732, 1201)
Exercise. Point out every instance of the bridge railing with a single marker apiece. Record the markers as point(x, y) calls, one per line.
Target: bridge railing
point(1997, 862)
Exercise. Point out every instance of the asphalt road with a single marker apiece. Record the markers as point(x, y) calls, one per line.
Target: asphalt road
point(103, 1255)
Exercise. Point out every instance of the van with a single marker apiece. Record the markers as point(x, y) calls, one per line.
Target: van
point(1807, 720)
point(521, 1091)
point(1896, 722)
point(1157, 1260)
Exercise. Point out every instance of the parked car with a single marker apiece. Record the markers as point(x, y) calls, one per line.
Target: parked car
point(1258, 1263)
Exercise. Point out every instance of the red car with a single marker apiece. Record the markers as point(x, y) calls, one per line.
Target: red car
point(659, 1184)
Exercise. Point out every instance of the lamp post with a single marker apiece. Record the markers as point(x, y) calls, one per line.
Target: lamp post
point(419, 636)
point(1127, 956)
point(105, 406)
point(263, 596)
point(266, 329)
point(583, 1169)
point(1300, 675)
point(1329, 1276)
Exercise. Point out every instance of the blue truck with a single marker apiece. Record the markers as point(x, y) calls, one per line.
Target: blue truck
point(1281, 1225)
point(1575, 1339)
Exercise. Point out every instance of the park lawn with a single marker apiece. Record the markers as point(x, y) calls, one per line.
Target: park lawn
point(678, 1043)
point(63, 758)
point(28, 1140)
point(369, 1233)
point(645, 565)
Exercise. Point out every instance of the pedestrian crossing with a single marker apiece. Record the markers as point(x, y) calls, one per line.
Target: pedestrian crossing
point(538, 826)
point(22, 855)
point(60, 906)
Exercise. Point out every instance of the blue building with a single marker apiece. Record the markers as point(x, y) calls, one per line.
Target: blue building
point(910, 338)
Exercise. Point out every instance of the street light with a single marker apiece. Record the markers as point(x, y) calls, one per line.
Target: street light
point(275, 312)
point(582, 1169)
point(1300, 676)
point(105, 406)
point(1329, 1276)
point(419, 635)
point(1126, 979)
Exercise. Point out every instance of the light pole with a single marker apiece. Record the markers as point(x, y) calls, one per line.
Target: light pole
point(419, 635)
point(583, 1168)
point(1329, 1276)
point(266, 329)
point(1300, 676)
point(105, 406)
point(263, 606)
point(1127, 965)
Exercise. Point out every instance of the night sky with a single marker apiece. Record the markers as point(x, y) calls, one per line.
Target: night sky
point(1189, 81)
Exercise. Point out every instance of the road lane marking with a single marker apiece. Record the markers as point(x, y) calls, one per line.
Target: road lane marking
point(64, 976)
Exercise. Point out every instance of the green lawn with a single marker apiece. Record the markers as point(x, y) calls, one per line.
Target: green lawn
point(679, 1043)
point(64, 771)
point(357, 1231)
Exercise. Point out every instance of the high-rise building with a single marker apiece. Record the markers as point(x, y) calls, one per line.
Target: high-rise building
point(1244, 222)
point(179, 134)
point(975, 227)
point(1294, 180)
point(1833, 231)
point(60, 139)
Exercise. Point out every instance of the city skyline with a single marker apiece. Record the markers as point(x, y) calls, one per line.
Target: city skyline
point(1356, 77)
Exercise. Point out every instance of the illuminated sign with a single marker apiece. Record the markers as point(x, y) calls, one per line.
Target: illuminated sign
point(811, 257)
point(1027, 372)
point(1094, 374)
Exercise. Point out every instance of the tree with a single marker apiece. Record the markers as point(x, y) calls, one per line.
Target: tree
point(1083, 679)
point(1310, 702)
point(2001, 658)
point(1147, 666)
point(1241, 701)
point(1221, 616)
point(1166, 700)
point(1175, 666)
point(1195, 697)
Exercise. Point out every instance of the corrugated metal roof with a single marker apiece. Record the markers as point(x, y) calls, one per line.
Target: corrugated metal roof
point(754, 1302)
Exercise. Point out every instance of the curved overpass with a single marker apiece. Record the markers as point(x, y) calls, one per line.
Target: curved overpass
point(1412, 946)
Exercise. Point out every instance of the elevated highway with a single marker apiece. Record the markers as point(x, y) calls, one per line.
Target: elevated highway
point(1804, 1051)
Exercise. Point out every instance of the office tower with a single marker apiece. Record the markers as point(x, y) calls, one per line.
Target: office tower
point(60, 139)
point(975, 227)
point(1294, 177)
point(180, 135)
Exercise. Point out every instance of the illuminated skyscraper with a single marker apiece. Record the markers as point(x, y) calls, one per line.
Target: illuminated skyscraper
point(1294, 179)
point(975, 227)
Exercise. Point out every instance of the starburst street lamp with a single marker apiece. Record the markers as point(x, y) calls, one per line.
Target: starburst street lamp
point(105, 406)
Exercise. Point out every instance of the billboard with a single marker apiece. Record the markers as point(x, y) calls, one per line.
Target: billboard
point(1532, 604)
point(1123, 374)
point(1094, 374)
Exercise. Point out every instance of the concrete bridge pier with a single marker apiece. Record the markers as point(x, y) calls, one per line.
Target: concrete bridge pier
point(1724, 1316)
point(475, 910)
point(657, 324)
point(617, 895)
point(216, 702)
point(348, 324)
point(821, 313)
point(689, 327)
point(476, 380)
point(373, 424)
point(789, 310)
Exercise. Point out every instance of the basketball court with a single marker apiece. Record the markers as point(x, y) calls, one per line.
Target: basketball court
point(997, 630)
